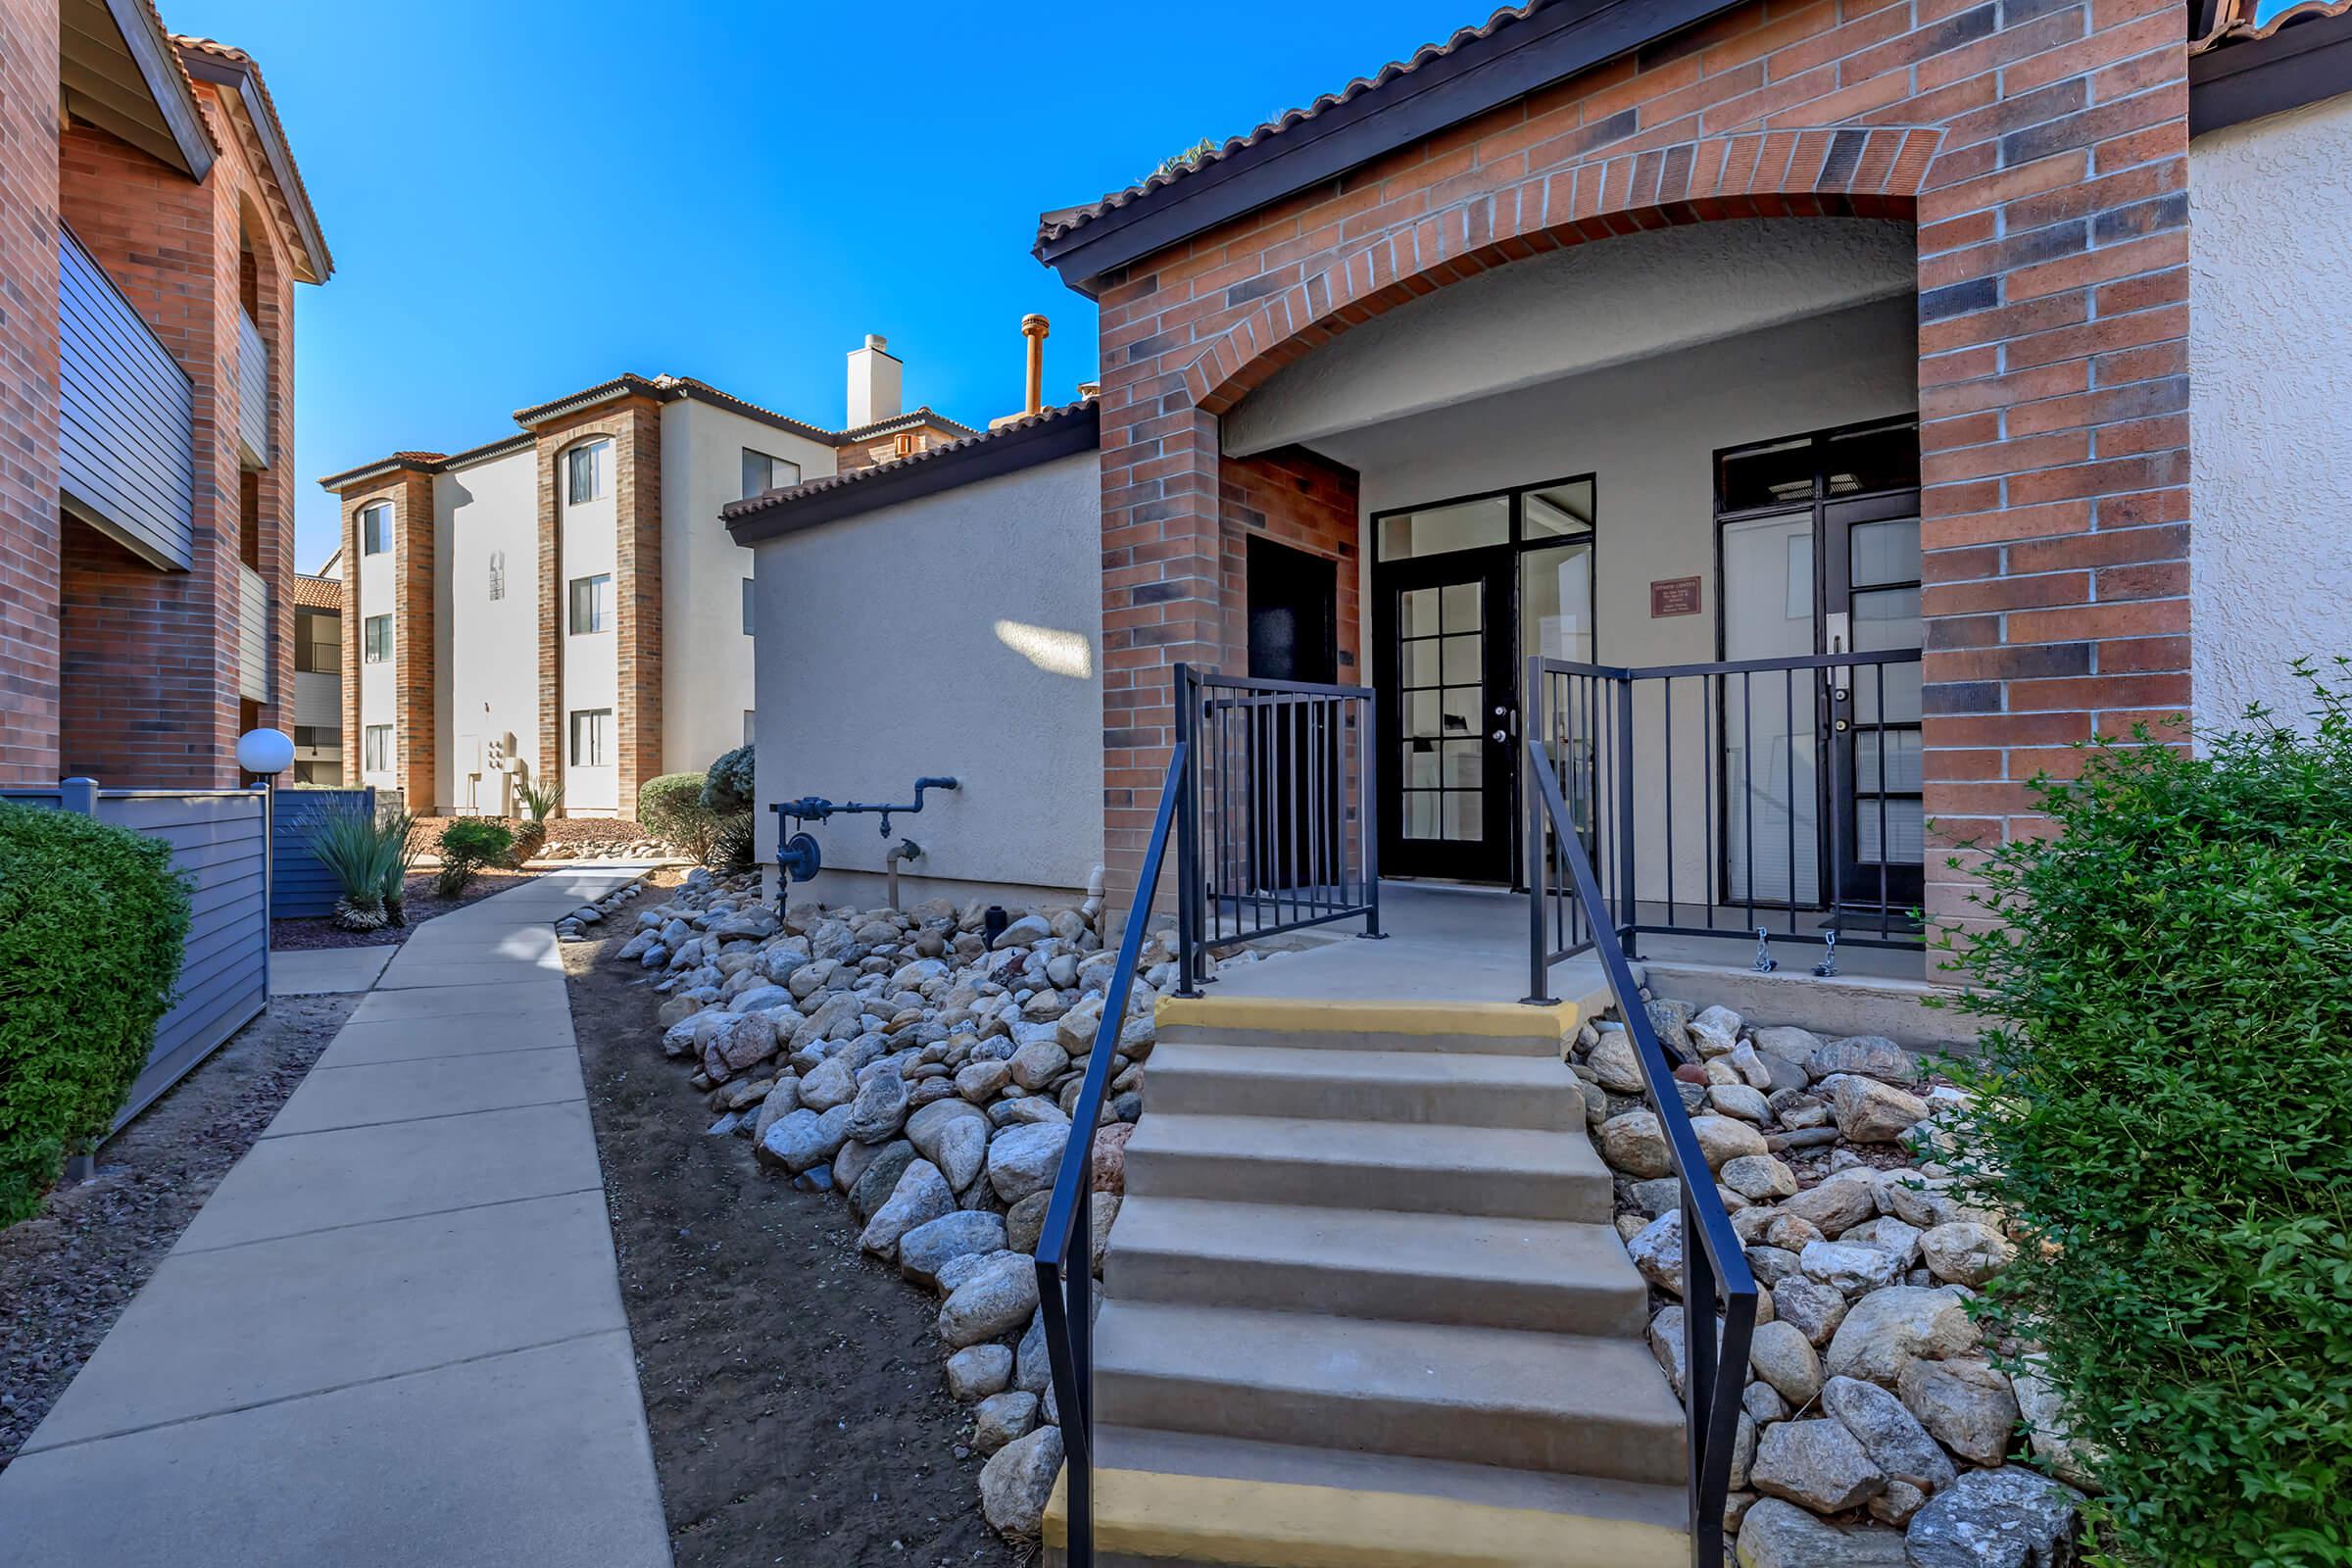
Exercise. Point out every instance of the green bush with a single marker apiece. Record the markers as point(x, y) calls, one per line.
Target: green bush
point(2165, 1105)
point(466, 846)
point(92, 922)
point(671, 808)
point(729, 786)
point(731, 843)
point(368, 855)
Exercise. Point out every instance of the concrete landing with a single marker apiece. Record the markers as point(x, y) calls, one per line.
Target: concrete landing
point(394, 1335)
point(325, 971)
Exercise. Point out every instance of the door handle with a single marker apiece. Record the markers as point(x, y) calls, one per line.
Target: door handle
point(1501, 737)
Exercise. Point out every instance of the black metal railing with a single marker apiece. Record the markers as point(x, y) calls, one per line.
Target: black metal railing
point(1721, 798)
point(1714, 1264)
point(1065, 1283)
point(1276, 830)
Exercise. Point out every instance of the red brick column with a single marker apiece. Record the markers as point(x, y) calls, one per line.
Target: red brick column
point(28, 506)
point(2043, 152)
point(416, 716)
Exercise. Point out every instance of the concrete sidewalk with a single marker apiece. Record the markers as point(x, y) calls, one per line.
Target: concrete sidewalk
point(325, 971)
point(394, 1335)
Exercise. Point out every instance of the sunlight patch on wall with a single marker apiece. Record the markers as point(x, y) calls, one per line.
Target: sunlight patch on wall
point(1057, 653)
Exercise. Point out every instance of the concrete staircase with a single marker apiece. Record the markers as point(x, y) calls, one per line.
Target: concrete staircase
point(1364, 1306)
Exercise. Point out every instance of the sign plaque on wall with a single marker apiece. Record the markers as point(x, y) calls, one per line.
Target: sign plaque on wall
point(1673, 595)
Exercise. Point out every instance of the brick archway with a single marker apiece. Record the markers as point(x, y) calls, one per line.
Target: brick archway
point(1854, 172)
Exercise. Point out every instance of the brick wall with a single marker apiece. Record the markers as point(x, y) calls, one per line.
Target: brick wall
point(1296, 498)
point(2041, 148)
point(634, 425)
point(410, 566)
point(29, 509)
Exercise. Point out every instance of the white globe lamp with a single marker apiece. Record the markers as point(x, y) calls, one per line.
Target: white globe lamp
point(266, 752)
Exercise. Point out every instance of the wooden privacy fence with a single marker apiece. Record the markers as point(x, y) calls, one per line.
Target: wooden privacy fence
point(299, 886)
point(216, 838)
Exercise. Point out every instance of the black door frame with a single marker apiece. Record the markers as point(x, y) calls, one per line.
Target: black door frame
point(1496, 858)
point(1831, 514)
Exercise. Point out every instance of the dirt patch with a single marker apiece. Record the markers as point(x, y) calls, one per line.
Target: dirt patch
point(793, 1385)
point(66, 1273)
point(421, 905)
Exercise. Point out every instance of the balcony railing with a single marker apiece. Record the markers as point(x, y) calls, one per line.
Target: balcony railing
point(126, 431)
point(252, 394)
point(252, 635)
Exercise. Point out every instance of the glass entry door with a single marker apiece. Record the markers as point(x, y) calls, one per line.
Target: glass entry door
point(1871, 589)
point(1445, 657)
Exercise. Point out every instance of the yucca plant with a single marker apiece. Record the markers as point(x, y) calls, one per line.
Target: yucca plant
point(362, 853)
point(539, 803)
point(400, 829)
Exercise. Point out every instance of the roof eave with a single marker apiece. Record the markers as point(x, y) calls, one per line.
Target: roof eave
point(1550, 44)
point(153, 51)
point(319, 264)
point(2246, 78)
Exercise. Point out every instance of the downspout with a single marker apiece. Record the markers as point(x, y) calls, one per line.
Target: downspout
point(904, 850)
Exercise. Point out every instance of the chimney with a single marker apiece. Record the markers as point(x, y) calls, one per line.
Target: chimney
point(874, 383)
point(1032, 327)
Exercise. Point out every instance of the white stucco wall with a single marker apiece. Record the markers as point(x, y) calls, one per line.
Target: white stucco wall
point(486, 675)
point(374, 575)
point(706, 658)
point(591, 662)
point(960, 634)
point(1649, 432)
point(2270, 357)
point(1575, 311)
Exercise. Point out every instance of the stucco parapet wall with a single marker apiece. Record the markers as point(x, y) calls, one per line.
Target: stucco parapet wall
point(1042, 437)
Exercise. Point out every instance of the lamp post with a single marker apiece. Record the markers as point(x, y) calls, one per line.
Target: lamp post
point(267, 753)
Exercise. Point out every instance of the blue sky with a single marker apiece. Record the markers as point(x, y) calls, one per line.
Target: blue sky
point(524, 200)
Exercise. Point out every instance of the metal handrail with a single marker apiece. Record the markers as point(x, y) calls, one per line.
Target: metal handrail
point(1712, 1388)
point(1065, 1293)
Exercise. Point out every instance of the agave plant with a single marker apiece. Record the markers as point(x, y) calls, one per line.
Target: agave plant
point(366, 856)
point(399, 829)
point(539, 803)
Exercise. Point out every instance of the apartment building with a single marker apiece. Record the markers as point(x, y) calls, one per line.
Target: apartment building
point(319, 674)
point(562, 604)
point(153, 226)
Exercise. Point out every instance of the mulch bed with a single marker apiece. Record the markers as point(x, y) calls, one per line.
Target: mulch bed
point(66, 1273)
point(421, 905)
point(792, 1384)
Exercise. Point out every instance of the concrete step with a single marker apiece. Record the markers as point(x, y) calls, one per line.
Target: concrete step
point(1456, 1088)
point(1537, 1275)
point(1561, 1403)
point(1316, 1023)
point(1175, 1499)
point(1432, 1169)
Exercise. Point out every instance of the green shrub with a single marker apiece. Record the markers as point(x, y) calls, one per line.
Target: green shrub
point(2165, 1104)
point(364, 852)
point(539, 803)
point(671, 808)
point(731, 843)
point(466, 846)
point(729, 786)
point(92, 922)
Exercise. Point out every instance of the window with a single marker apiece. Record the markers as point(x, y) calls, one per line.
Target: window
point(375, 528)
point(318, 641)
point(591, 604)
point(747, 607)
point(748, 735)
point(498, 575)
point(585, 471)
point(906, 444)
point(377, 629)
point(591, 737)
point(763, 473)
point(316, 737)
point(378, 759)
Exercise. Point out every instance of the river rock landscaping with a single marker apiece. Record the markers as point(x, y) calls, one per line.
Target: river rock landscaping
point(1877, 1427)
point(927, 1074)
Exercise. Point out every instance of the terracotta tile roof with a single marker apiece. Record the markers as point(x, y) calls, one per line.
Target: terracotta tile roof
point(298, 198)
point(2215, 22)
point(1054, 224)
point(925, 415)
point(318, 593)
point(808, 488)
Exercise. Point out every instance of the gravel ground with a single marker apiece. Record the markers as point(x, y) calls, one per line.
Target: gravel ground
point(422, 904)
point(66, 1273)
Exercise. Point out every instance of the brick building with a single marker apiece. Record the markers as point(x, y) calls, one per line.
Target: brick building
point(562, 605)
point(153, 225)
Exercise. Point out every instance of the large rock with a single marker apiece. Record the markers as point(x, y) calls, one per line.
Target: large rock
point(1721, 1139)
point(1027, 931)
point(803, 1137)
point(1741, 1102)
point(1833, 1207)
point(979, 1370)
point(1614, 1063)
point(2006, 1518)
point(1002, 1417)
point(1037, 1063)
point(1106, 1170)
point(1889, 1234)
point(1019, 1480)
point(1967, 1402)
point(951, 1134)
point(1714, 1031)
point(1888, 1330)
point(995, 1299)
point(1890, 1433)
point(1635, 1145)
point(1871, 1056)
point(1818, 1464)
point(828, 1084)
point(1658, 1252)
point(1851, 1269)
point(1869, 1111)
point(1025, 1220)
point(1964, 1252)
point(880, 1106)
point(1809, 1306)
point(1671, 1020)
point(932, 1245)
point(781, 1101)
point(1758, 1177)
point(1022, 1159)
point(921, 1196)
point(2042, 1409)
point(1781, 1534)
point(1783, 1357)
